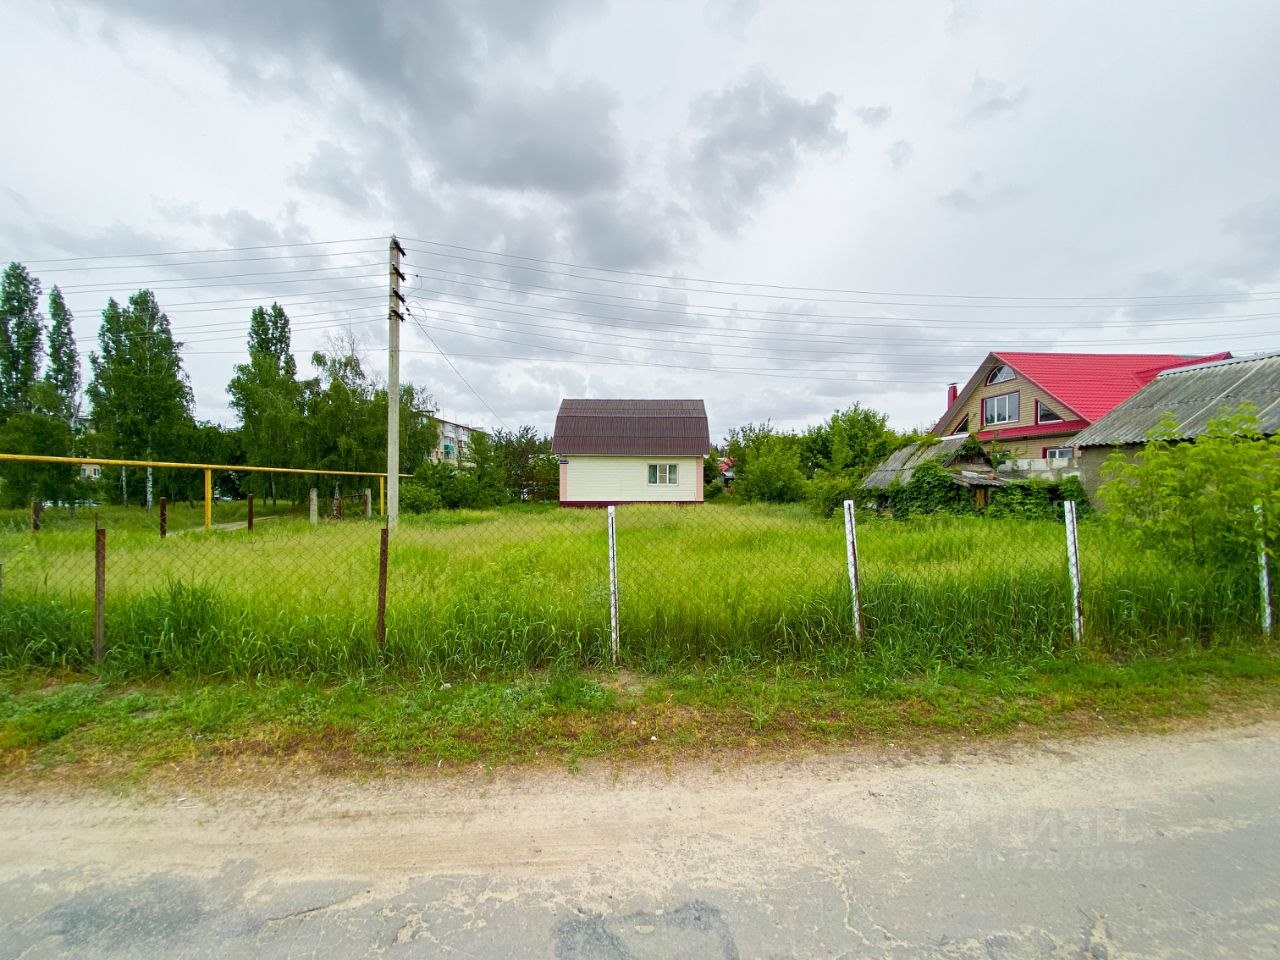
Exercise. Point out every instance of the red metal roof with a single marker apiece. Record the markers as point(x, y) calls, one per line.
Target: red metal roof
point(1092, 383)
point(632, 428)
point(1033, 430)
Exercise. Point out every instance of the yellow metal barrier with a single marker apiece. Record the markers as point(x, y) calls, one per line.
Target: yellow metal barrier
point(208, 469)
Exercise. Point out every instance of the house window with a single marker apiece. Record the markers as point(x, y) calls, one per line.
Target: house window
point(1000, 409)
point(663, 474)
point(1058, 453)
point(1045, 415)
point(1000, 374)
point(962, 426)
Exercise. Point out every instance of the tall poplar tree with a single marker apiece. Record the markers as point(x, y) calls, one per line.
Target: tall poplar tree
point(265, 392)
point(21, 338)
point(139, 396)
point(63, 373)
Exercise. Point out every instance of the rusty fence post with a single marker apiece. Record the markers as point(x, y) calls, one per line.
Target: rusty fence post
point(164, 517)
point(249, 519)
point(37, 508)
point(99, 593)
point(381, 626)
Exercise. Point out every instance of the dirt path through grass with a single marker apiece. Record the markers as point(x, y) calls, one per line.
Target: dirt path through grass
point(1038, 847)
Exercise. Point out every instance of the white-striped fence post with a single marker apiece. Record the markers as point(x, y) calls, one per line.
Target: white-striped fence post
point(1264, 572)
point(1073, 571)
point(851, 555)
point(613, 586)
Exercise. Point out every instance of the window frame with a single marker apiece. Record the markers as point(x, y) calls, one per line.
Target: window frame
point(995, 377)
point(1017, 408)
point(663, 474)
point(1040, 418)
point(1071, 453)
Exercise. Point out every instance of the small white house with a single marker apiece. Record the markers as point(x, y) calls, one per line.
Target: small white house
point(630, 451)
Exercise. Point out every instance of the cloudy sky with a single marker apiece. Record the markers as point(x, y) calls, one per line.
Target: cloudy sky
point(780, 207)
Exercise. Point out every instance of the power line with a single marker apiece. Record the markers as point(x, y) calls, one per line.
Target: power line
point(182, 253)
point(671, 280)
point(199, 282)
point(196, 263)
point(452, 367)
point(782, 316)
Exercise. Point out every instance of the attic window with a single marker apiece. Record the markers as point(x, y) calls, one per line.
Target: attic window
point(1045, 415)
point(962, 426)
point(1000, 374)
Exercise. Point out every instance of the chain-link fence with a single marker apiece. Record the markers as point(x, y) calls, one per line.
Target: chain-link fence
point(304, 579)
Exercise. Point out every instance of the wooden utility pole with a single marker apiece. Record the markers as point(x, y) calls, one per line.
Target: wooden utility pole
point(394, 319)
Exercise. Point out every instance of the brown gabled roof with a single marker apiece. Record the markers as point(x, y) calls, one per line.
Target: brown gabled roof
point(632, 428)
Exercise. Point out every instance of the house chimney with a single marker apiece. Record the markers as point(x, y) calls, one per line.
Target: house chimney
point(952, 392)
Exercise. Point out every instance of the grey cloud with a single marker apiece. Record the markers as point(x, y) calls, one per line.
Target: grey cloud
point(333, 171)
point(961, 15)
point(900, 153)
point(749, 140)
point(731, 16)
point(990, 98)
point(976, 196)
point(562, 139)
point(874, 117)
point(1257, 227)
point(630, 232)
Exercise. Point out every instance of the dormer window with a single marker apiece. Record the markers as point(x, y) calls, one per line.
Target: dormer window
point(1045, 414)
point(1000, 374)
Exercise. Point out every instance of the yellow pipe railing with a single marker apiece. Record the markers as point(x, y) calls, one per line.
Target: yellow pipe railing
point(208, 469)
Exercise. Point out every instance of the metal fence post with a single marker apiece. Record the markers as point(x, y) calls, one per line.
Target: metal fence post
point(851, 555)
point(1264, 572)
point(381, 625)
point(368, 503)
point(249, 516)
point(315, 506)
point(613, 586)
point(99, 593)
point(208, 499)
point(1073, 571)
point(164, 517)
point(37, 508)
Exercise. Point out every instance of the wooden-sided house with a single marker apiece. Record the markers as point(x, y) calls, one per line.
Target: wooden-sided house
point(630, 451)
point(1034, 404)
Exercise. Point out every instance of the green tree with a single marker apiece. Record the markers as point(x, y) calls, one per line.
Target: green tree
point(139, 396)
point(21, 338)
point(63, 373)
point(38, 434)
point(530, 471)
point(1197, 497)
point(268, 398)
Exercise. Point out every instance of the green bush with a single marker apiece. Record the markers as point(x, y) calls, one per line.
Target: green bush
point(711, 491)
point(417, 498)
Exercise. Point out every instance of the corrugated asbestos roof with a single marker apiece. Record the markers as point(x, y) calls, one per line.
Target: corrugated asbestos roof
point(1194, 395)
point(632, 428)
point(902, 463)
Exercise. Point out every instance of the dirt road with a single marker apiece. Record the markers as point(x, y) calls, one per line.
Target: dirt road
point(1136, 847)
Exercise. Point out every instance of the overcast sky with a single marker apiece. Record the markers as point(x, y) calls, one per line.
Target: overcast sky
point(909, 185)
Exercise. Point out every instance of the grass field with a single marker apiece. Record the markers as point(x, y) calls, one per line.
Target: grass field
point(479, 593)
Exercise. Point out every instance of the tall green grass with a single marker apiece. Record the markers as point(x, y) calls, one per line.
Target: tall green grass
point(482, 592)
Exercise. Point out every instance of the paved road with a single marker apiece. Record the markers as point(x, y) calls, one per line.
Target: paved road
point(1163, 847)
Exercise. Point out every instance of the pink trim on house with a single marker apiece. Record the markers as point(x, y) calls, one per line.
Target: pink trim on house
point(564, 480)
point(623, 503)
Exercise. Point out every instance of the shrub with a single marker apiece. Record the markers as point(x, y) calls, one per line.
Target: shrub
point(712, 490)
point(416, 498)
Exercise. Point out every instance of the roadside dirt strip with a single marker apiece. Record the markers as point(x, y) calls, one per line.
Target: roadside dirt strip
point(1126, 847)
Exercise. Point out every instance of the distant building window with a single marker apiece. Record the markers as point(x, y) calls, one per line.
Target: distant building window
point(663, 474)
point(1000, 409)
point(1059, 453)
point(1045, 415)
point(1000, 374)
point(450, 451)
